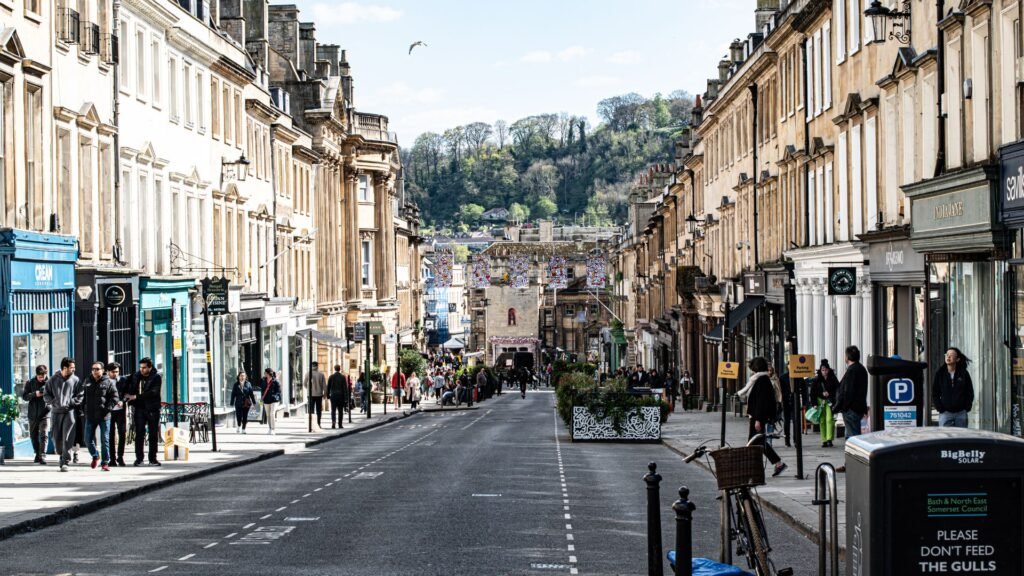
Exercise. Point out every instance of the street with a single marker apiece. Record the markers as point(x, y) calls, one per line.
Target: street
point(469, 492)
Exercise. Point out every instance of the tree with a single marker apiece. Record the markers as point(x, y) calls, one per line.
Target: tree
point(476, 135)
point(660, 112)
point(470, 213)
point(410, 360)
point(461, 253)
point(545, 208)
point(519, 213)
point(501, 132)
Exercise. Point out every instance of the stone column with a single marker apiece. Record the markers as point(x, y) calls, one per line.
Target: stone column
point(867, 322)
point(352, 245)
point(858, 336)
point(829, 324)
point(844, 321)
point(817, 320)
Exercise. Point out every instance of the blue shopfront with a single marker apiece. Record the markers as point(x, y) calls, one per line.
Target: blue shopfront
point(37, 282)
point(158, 298)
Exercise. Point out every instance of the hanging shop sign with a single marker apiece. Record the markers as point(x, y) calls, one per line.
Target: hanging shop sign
point(215, 292)
point(842, 281)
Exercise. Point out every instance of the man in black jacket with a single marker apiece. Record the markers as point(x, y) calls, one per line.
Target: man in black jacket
point(853, 393)
point(38, 412)
point(144, 396)
point(119, 415)
point(63, 395)
point(100, 398)
point(337, 391)
point(953, 390)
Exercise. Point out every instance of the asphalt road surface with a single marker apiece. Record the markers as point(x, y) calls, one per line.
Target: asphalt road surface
point(457, 493)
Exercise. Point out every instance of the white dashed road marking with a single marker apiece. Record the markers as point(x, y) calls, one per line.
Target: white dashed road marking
point(185, 557)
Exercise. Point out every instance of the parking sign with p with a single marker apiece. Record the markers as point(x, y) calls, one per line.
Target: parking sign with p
point(900, 391)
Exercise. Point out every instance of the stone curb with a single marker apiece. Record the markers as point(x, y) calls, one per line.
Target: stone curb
point(83, 508)
point(809, 531)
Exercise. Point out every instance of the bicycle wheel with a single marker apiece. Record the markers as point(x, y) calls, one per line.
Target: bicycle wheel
point(758, 552)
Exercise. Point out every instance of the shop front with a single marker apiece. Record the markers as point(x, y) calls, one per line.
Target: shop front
point(1011, 180)
point(898, 276)
point(106, 317)
point(37, 285)
point(158, 300)
point(765, 329)
point(957, 227)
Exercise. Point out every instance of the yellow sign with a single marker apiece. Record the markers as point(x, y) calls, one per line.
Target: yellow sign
point(728, 370)
point(1018, 366)
point(353, 364)
point(801, 366)
point(209, 357)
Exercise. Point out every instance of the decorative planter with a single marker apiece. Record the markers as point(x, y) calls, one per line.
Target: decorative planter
point(643, 425)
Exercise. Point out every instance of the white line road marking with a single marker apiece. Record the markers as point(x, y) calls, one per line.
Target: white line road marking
point(318, 489)
point(159, 569)
point(307, 495)
point(211, 545)
point(249, 525)
point(568, 517)
point(572, 560)
point(573, 571)
point(337, 479)
point(185, 557)
point(568, 526)
point(572, 548)
point(329, 484)
point(265, 517)
point(566, 508)
point(566, 501)
point(281, 508)
point(568, 537)
point(296, 501)
point(232, 535)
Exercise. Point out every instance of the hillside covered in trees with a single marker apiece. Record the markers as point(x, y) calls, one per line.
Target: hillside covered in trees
point(544, 166)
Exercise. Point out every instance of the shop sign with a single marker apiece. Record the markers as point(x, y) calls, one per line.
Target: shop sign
point(895, 256)
point(753, 284)
point(376, 328)
point(215, 291)
point(41, 276)
point(801, 366)
point(116, 295)
point(1018, 367)
point(842, 281)
point(728, 370)
point(359, 332)
point(1011, 177)
point(176, 331)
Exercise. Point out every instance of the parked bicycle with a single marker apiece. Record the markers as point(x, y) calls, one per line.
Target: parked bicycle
point(738, 471)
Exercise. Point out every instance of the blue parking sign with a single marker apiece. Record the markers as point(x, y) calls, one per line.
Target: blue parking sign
point(900, 391)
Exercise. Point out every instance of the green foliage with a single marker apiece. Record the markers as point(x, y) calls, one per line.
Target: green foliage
point(9, 410)
point(547, 162)
point(461, 252)
point(410, 361)
point(611, 401)
point(561, 367)
point(518, 213)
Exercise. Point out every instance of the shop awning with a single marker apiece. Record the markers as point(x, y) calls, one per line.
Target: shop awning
point(618, 336)
point(324, 339)
point(737, 315)
point(454, 344)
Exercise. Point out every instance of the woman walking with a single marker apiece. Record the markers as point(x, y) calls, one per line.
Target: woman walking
point(242, 398)
point(414, 390)
point(271, 396)
point(823, 395)
point(762, 409)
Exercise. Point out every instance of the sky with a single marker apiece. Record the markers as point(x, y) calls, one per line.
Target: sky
point(487, 60)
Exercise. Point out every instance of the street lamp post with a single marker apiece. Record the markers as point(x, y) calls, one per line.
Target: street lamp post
point(207, 300)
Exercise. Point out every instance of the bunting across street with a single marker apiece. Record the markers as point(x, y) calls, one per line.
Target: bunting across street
point(480, 276)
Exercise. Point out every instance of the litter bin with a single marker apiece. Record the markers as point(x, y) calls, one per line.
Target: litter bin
point(899, 392)
point(934, 501)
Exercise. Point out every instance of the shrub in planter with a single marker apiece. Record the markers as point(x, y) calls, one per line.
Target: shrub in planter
point(612, 401)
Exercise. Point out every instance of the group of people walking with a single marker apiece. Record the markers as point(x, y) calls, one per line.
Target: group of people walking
point(78, 411)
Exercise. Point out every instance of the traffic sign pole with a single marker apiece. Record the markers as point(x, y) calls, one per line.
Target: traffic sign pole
point(175, 360)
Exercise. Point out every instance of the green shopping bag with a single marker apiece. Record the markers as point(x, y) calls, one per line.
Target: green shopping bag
point(813, 414)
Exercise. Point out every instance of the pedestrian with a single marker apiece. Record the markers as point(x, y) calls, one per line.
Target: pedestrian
point(823, 395)
point(271, 398)
point(414, 390)
point(242, 398)
point(438, 385)
point(777, 386)
point(337, 390)
point(359, 392)
point(100, 399)
point(852, 399)
point(316, 385)
point(119, 415)
point(38, 412)
point(953, 390)
point(686, 388)
point(762, 409)
point(398, 384)
point(145, 396)
point(671, 390)
point(79, 436)
point(787, 406)
point(63, 395)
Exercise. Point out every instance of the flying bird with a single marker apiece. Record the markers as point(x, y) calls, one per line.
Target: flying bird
point(415, 44)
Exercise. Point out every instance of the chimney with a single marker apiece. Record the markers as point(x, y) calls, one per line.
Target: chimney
point(736, 51)
point(764, 14)
point(547, 230)
point(713, 86)
point(723, 70)
point(307, 47)
point(231, 19)
point(331, 54)
point(697, 113)
point(283, 31)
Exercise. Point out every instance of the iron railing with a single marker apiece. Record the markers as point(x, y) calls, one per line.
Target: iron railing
point(68, 28)
point(90, 37)
point(109, 48)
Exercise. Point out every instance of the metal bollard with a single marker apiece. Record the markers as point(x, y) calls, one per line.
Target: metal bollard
point(653, 480)
point(684, 532)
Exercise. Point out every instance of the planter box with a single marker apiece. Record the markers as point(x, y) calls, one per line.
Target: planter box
point(640, 426)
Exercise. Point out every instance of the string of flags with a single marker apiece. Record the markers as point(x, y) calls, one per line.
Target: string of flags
point(597, 270)
point(480, 275)
point(518, 271)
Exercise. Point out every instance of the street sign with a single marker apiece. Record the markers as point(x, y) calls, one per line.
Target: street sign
point(215, 292)
point(376, 328)
point(176, 331)
point(900, 416)
point(801, 366)
point(728, 370)
point(359, 332)
point(391, 338)
point(900, 390)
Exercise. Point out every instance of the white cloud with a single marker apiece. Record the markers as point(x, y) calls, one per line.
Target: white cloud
point(353, 12)
point(572, 53)
point(626, 57)
point(401, 92)
point(537, 57)
point(598, 81)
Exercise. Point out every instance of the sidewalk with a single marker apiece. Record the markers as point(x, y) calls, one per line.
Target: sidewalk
point(33, 496)
point(790, 497)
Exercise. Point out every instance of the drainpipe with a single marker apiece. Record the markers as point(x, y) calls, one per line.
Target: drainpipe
point(273, 190)
point(117, 125)
point(807, 148)
point(940, 157)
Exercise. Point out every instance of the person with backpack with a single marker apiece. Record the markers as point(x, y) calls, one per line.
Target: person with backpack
point(271, 396)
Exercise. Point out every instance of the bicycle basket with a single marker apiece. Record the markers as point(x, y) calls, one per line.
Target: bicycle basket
point(739, 467)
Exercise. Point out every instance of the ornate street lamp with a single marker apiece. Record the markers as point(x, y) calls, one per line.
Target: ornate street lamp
point(691, 224)
point(880, 16)
point(237, 169)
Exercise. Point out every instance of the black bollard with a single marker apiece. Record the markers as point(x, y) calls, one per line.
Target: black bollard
point(653, 480)
point(684, 532)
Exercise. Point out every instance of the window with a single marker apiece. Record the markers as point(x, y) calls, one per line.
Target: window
point(511, 316)
point(172, 88)
point(366, 264)
point(64, 159)
point(155, 55)
point(214, 108)
point(854, 26)
point(86, 216)
point(364, 188)
point(106, 211)
point(569, 310)
point(123, 57)
point(145, 208)
point(228, 130)
point(186, 93)
point(34, 215)
point(161, 234)
point(200, 118)
point(7, 194)
point(34, 6)
point(239, 127)
point(140, 63)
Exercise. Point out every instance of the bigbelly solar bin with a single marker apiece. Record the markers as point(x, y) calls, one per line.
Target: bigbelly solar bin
point(934, 501)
